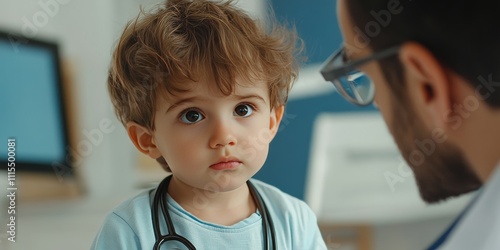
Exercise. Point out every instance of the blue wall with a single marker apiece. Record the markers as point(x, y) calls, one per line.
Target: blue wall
point(316, 23)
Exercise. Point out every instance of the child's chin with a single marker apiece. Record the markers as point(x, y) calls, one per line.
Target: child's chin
point(226, 183)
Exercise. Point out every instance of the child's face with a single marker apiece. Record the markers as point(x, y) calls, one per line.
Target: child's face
point(215, 142)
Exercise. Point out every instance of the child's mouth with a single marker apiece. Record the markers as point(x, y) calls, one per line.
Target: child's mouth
point(227, 165)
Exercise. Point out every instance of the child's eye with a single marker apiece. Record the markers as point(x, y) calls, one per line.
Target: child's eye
point(191, 116)
point(243, 110)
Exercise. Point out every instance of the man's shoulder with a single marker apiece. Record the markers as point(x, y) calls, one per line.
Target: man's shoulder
point(480, 227)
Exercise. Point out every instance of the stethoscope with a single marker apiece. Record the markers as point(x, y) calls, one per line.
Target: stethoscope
point(161, 201)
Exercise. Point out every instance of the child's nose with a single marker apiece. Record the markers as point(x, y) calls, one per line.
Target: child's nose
point(222, 135)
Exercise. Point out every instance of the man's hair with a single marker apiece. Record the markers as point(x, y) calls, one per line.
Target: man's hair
point(183, 40)
point(463, 35)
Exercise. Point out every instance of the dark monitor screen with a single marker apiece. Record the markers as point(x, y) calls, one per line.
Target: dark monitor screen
point(31, 104)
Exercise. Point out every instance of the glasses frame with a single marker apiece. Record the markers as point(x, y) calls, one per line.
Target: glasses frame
point(332, 72)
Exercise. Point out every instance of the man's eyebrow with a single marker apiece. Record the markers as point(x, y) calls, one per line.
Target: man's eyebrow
point(241, 97)
point(180, 102)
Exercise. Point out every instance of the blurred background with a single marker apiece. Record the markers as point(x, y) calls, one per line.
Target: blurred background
point(74, 161)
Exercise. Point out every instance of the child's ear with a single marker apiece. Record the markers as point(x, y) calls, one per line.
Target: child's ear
point(276, 116)
point(143, 139)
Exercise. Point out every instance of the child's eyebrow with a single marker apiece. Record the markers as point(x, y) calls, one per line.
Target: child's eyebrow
point(241, 97)
point(192, 99)
point(181, 101)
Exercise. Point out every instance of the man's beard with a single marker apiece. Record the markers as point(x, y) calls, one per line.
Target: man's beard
point(441, 171)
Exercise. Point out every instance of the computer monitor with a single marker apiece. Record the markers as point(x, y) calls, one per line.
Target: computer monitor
point(32, 108)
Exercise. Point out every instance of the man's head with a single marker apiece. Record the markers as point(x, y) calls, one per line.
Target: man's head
point(160, 54)
point(425, 63)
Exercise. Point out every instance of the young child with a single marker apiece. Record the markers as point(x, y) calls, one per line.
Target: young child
point(201, 88)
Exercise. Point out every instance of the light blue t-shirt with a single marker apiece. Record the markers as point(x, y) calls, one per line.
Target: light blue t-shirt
point(129, 226)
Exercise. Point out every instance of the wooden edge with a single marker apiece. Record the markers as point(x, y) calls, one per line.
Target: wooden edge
point(43, 187)
point(336, 235)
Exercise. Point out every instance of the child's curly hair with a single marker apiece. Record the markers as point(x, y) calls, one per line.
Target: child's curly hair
point(181, 41)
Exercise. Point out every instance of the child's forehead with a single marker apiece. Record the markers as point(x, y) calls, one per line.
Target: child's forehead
point(208, 86)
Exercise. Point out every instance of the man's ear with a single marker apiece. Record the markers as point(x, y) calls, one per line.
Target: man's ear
point(276, 116)
point(428, 83)
point(143, 139)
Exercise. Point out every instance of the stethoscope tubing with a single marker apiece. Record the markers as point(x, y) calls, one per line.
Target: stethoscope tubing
point(159, 202)
point(261, 206)
point(172, 235)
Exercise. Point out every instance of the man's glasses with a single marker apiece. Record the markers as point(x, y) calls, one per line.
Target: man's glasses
point(350, 82)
